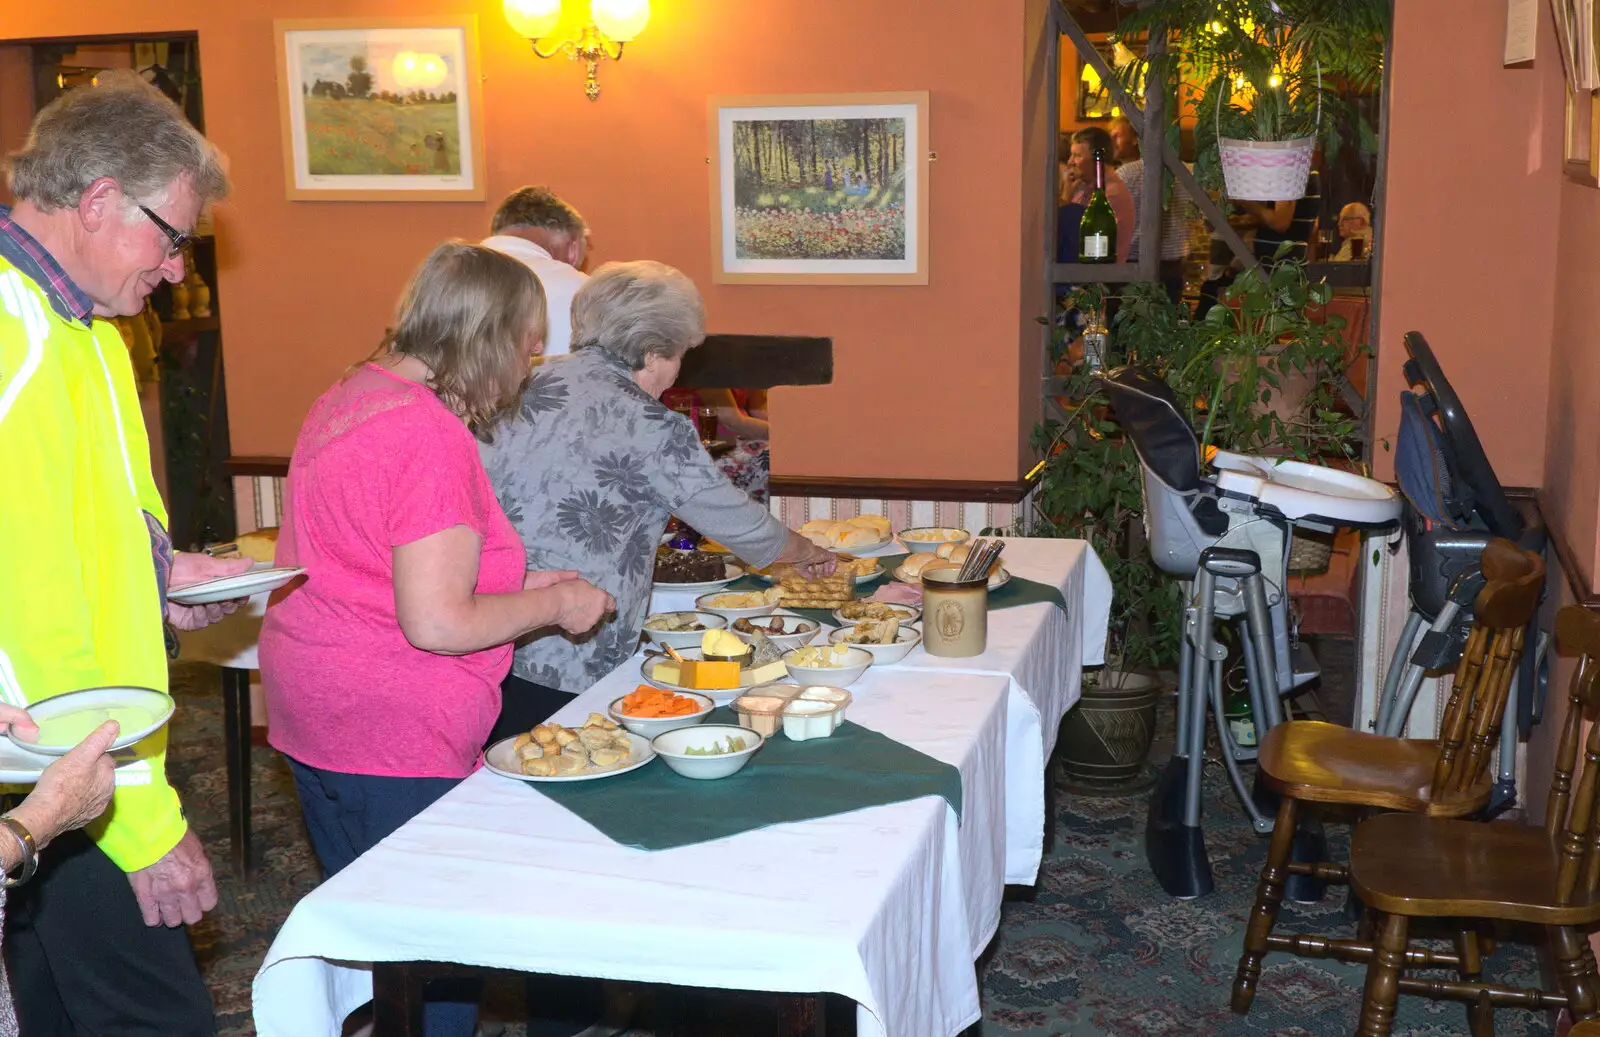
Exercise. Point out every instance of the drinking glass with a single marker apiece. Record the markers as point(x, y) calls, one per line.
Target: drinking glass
point(705, 419)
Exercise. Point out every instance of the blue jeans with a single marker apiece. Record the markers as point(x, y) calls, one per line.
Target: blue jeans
point(346, 815)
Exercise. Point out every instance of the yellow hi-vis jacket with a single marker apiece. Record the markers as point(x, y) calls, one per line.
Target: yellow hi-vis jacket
point(79, 605)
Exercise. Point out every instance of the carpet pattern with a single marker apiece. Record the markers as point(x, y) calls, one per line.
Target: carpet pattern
point(1098, 950)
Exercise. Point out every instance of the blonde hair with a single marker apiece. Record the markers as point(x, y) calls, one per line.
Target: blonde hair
point(467, 314)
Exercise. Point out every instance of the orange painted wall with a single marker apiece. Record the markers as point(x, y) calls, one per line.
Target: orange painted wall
point(1572, 458)
point(16, 102)
point(925, 377)
point(1469, 251)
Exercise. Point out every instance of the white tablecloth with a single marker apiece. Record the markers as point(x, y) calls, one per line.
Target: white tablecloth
point(888, 906)
point(1042, 651)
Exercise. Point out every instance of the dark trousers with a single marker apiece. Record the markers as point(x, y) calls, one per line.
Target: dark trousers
point(523, 706)
point(348, 814)
point(84, 964)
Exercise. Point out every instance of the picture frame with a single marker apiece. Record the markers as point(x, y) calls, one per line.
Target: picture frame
point(381, 109)
point(1581, 139)
point(820, 189)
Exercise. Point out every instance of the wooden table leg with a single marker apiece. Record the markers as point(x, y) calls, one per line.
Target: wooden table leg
point(803, 1015)
point(396, 1000)
point(236, 743)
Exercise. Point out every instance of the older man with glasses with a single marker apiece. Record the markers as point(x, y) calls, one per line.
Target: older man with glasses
point(108, 188)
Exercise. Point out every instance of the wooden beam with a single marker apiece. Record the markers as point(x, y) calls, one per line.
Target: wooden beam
point(757, 362)
point(977, 490)
point(1169, 158)
point(1098, 273)
point(1155, 127)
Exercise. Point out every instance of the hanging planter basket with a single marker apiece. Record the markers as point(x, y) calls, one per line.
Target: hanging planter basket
point(1266, 170)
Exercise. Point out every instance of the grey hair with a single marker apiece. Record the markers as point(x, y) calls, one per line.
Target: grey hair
point(638, 310)
point(539, 208)
point(124, 129)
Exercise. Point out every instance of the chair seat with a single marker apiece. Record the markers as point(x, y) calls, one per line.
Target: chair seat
point(1326, 763)
point(1442, 867)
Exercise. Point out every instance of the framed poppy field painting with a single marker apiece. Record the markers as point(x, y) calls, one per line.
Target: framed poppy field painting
point(381, 109)
point(820, 189)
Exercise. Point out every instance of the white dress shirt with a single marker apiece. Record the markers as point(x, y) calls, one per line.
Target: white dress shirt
point(559, 280)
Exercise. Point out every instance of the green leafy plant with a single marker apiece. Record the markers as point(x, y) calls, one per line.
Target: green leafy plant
point(1256, 375)
point(1264, 70)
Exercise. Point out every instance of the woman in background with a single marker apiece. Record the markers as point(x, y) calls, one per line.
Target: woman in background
point(382, 669)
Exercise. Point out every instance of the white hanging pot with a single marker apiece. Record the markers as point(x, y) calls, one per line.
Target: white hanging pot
point(1268, 170)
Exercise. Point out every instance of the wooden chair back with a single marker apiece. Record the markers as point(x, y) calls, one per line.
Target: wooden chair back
point(1513, 582)
point(1574, 820)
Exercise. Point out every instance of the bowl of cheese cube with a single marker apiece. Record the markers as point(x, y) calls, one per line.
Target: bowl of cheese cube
point(829, 665)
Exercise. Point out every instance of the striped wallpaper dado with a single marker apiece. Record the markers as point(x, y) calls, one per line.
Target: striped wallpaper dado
point(258, 503)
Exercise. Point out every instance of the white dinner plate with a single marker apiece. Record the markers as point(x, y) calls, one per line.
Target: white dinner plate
point(734, 572)
point(721, 696)
point(243, 585)
point(502, 759)
point(909, 614)
point(860, 580)
point(861, 549)
point(999, 578)
point(20, 767)
point(75, 714)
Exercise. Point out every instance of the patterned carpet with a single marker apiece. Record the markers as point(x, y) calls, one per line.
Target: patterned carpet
point(1098, 950)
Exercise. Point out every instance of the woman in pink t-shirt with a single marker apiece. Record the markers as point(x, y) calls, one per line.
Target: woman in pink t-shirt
point(382, 668)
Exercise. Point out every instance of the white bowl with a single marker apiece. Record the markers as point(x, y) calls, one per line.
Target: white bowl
point(909, 614)
point(856, 664)
point(649, 727)
point(670, 747)
point(731, 614)
point(909, 638)
point(911, 538)
point(683, 638)
point(799, 632)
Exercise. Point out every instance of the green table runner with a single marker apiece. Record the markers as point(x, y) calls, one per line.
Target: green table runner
point(1017, 591)
point(655, 808)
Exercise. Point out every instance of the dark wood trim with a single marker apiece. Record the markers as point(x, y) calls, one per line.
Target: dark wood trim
point(1578, 576)
point(981, 491)
point(1577, 172)
point(190, 326)
point(273, 466)
point(757, 362)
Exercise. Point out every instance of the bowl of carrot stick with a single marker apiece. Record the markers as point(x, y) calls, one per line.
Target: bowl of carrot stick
point(648, 711)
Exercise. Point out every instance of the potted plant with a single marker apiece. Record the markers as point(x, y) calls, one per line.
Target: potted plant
point(1258, 375)
point(1266, 79)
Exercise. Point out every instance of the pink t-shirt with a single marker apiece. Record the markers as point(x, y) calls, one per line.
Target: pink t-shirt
point(380, 462)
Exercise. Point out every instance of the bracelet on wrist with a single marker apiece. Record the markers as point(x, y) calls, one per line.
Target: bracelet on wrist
point(30, 850)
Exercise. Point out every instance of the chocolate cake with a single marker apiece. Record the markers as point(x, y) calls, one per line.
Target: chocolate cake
point(688, 566)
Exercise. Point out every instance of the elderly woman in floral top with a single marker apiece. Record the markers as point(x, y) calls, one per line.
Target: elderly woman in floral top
point(592, 465)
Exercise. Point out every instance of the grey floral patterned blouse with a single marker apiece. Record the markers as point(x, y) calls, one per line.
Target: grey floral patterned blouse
point(589, 470)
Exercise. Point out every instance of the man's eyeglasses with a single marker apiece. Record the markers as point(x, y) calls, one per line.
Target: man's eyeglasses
point(179, 240)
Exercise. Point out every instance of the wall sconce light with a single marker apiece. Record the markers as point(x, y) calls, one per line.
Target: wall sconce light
point(611, 24)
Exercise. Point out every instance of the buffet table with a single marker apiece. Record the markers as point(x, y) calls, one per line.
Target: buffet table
point(888, 906)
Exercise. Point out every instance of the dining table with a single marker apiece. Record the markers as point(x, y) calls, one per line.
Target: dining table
point(888, 906)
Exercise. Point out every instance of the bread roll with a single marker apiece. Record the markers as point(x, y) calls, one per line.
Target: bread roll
point(874, 522)
point(959, 553)
point(943, 550)
point(820, 539)
point(817, 526)
point(914, 564)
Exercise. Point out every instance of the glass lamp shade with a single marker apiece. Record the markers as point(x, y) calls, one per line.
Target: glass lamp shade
point(431, 71)
point(621, 20)
point(404, 69)
point(533, 19)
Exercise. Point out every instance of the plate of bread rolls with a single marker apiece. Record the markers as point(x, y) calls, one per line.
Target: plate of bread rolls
point(855, 535)
point(949, 556)
point(601, 748)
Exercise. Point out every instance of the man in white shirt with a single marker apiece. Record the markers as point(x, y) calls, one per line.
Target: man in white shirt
point(546, 234)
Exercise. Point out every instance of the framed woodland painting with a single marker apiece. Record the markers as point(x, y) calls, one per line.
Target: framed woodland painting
point(820, 189)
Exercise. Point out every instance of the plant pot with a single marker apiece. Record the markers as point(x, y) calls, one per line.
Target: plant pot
point(1266, 170)
point(1106, 737)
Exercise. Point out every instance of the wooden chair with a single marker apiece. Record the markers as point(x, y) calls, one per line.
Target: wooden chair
point(1408, 866)
point(1311, 761)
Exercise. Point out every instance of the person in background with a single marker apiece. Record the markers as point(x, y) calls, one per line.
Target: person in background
point(1080, 184)
point(1175, 214)
point(108, 186)
point(1292, 221)
point(1355, 227)
point(592, 465)
point(547, 235)
point(382, 670)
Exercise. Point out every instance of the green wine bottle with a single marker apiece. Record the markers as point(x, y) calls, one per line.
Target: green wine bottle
point(1097, 231)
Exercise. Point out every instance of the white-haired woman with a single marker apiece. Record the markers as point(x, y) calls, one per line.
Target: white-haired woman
point(592, 465)
point(382, 672)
